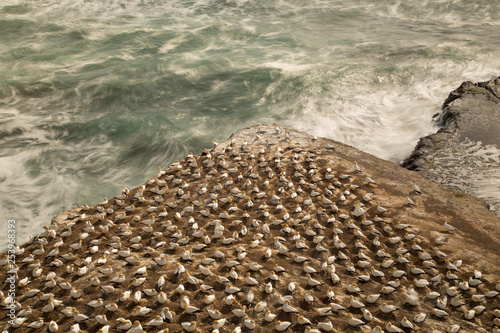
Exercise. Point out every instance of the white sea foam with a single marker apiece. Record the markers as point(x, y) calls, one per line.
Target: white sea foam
point(485, 182)
point(470, 167)
point(388, 128)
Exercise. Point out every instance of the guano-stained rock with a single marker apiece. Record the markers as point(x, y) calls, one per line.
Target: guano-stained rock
point(265, 232)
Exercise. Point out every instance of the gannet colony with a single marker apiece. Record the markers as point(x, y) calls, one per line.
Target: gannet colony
point(272, 230)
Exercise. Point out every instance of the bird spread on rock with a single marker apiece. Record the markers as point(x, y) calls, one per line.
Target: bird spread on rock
point(270, 226)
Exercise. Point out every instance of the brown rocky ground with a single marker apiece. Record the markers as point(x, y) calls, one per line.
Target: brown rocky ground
point(234, 227)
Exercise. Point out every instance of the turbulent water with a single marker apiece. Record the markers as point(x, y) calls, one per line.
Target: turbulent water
point(96, 94)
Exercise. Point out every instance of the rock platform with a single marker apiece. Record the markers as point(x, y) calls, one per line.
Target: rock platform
point(217, 241)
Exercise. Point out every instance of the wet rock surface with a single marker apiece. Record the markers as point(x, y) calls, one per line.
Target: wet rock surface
point(464, 154)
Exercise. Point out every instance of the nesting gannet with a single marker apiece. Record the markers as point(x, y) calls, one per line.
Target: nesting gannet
point(451, 276)
point(230, 289)
point(372, 298)
point(18, 321)
point(453, 328)
point(166, 314)
point(50, 306)
point(303, 321)
point(334, 307)
point(269, 317)
point(74, 328)
point(282, 326)
point(358, 209)
point(409, 201)
point(250, 280)
point(468, 313)
point(136, 327)
point(218, 323)
point(448, 227)
point(356, 303)
point(441, 302)
point(480, 308)
point(101, 319)
point(439, 313)
point(325, 326)
point(261, 306)
point(214, 314)
point(491, 293)
point(249, 323)
point(381, 209)
point(229, 299)
point(68, 311)
point(189, 326)
point(119, 279)
point(112, 307)
point(53, 327)
point(240, 312)
point(288, 308)
point(31, 292)
point(96, 303)
point(392, 328)
point(125, 296)
point(143, 311)
point(309, 269)
point(353, 288)
point(356, 167)
point(312, 282)
point(386, 308)
point(354, 321)
point(136, 297)
point(79, 317)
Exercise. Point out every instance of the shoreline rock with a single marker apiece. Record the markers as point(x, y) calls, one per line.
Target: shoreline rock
point(255, 218)
point(464, 154)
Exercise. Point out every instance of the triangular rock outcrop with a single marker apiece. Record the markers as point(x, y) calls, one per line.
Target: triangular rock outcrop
point(272, 230)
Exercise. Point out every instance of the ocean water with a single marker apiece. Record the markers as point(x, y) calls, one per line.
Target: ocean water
point(96, 94)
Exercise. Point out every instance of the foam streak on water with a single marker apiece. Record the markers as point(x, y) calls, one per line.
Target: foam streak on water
point(94, 95)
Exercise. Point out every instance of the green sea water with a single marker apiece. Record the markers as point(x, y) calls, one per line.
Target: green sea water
point(96, 94)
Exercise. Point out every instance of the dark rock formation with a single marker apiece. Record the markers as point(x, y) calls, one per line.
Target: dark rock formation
point(464, 154)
